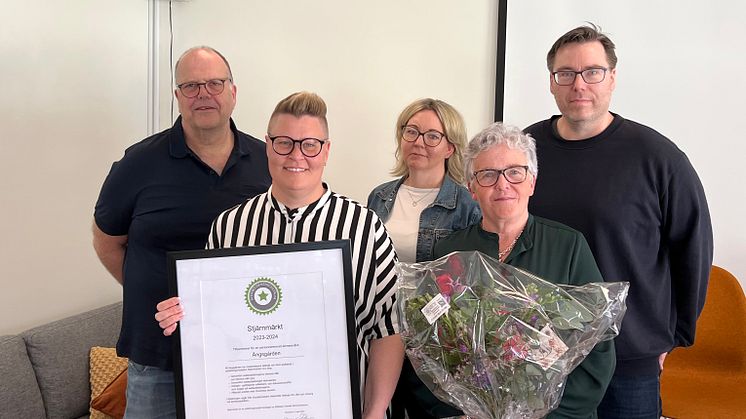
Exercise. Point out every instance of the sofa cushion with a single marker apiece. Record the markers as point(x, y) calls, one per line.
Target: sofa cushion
point(112, 401)
point(20, 396)
point(59, 355)
point(108, 384)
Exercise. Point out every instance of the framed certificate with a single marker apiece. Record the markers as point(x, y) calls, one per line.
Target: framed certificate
point(268, 332)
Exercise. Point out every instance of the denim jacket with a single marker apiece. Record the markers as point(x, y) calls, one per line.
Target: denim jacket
point(452, 210)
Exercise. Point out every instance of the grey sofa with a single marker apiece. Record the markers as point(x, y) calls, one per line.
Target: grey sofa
point(44, 370)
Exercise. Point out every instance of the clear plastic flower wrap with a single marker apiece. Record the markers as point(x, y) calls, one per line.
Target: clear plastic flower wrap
point(496, 341)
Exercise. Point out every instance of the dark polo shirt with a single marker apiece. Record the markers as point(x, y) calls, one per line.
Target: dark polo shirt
point(164, 198)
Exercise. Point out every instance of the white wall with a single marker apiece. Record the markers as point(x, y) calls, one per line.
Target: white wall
point(680, 71)
point(75, 84)
point(368, 60)
point(74, 88)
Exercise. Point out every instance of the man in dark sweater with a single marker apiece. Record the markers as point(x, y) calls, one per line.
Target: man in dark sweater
point(638, 201)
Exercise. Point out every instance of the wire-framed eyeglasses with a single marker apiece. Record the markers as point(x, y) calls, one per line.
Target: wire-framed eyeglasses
point(431, 138)
point(214, 87)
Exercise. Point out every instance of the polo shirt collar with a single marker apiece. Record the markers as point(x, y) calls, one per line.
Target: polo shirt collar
point(179, 149)
point(177, 142)
point(243, 143)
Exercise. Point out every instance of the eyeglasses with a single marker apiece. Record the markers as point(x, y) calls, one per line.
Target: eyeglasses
point(310, 147)
point(589, 75)
point(489, 177)
point(431, 137)
point(213, 87)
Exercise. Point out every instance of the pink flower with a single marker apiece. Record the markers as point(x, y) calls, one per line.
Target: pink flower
point(514, 348)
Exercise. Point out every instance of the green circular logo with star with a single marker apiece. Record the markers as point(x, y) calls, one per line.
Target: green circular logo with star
point(263, 296)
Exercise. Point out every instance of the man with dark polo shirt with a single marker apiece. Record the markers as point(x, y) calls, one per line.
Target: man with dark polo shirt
point(162, 196)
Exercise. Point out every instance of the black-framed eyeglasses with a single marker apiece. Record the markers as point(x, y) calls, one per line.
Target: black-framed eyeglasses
point(283, 145)
point(489, 177)
point(590, 75)
point(214, 87)
point(431, 138)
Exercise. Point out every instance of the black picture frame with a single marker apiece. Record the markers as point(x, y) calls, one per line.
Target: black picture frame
point(289, 250)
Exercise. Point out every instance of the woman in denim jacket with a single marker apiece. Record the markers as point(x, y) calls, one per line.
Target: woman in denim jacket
point(427, 202)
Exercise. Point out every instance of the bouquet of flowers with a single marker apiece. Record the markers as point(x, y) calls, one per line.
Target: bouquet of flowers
point(496, 341)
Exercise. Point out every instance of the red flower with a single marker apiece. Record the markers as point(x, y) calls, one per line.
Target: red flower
point(456, 265)
point(514, 348)
point(445, 284)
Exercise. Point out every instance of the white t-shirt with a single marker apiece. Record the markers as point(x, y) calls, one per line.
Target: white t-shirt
point(404, 223)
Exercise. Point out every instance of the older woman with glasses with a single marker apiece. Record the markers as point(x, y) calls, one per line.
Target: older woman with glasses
point(427, 202)
point(502, 167)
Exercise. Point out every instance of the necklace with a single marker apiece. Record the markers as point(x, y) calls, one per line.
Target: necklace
point(415, 202)
point(501, 255)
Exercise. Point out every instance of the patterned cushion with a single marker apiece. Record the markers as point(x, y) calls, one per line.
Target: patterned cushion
point(107, 373)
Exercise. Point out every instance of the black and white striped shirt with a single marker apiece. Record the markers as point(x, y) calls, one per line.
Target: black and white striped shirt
point(263, 220)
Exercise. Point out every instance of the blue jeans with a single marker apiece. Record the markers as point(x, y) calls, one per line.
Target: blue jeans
point(632, 397)
point(150, 393)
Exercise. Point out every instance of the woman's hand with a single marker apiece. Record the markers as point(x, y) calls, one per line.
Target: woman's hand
point(168, 315)
point(661, 359)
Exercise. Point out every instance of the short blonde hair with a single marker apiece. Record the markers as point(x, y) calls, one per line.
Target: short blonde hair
point(302, 104)
point(455, 132)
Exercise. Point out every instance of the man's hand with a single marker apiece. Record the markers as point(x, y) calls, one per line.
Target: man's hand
point(168, 315)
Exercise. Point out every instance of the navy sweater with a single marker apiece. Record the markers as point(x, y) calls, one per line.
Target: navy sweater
point(638, 201)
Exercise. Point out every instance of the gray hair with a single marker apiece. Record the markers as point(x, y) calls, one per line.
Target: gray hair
point(496, 134)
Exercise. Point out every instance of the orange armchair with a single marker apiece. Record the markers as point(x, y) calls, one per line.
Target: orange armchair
point(708, 379)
